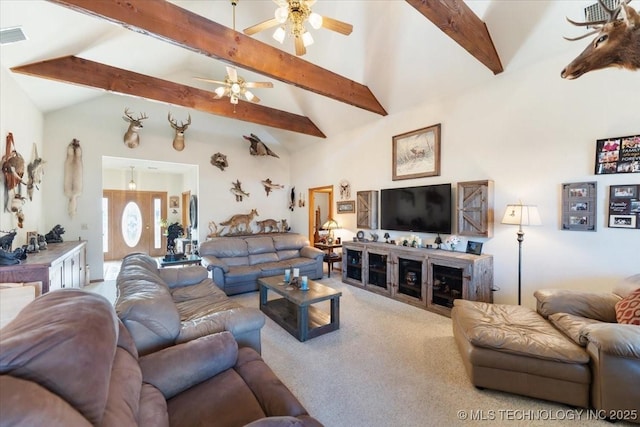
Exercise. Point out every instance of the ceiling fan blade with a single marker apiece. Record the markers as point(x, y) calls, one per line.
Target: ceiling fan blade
point(252, 98)
point(258, 84)
point(300, 49)
point(260, 27)
point(337, 26)
point(232, 74)
point(210, 81)
point(310, 2)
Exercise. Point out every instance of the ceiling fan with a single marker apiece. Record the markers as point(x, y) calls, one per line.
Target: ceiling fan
point(235, 87)
point(296, 13)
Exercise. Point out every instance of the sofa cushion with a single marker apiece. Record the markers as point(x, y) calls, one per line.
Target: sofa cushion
point(290, 241)
point(594, 305)
point(286, 254)
point(236, 261)
point(224, 247)
point(260, 245)
point(262, 258)
point(501, 326)
point(575, 327)
point(628, 309)
point(65, 325)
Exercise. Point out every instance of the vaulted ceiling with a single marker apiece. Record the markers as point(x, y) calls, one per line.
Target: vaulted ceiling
point(400, 54)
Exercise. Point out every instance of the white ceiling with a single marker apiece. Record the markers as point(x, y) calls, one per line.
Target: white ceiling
point(400, 55)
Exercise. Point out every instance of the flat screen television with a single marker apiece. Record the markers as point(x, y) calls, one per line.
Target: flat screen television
point(425, 209)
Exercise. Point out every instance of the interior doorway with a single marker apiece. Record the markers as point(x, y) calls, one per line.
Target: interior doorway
point(320, 209)
point(132, 223)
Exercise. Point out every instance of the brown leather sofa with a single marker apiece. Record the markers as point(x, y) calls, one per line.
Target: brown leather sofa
point(570, 349)
point(67, 360)
point(165, 306)
point(236, 263)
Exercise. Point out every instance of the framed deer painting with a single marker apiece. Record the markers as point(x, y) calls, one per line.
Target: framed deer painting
point(416, 154)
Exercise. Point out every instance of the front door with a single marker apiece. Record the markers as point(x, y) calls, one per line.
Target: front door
point(132, 223)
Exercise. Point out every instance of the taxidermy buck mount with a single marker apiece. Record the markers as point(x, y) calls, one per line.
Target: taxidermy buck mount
point(617, 43)
point(178, 139)
point(131, 137)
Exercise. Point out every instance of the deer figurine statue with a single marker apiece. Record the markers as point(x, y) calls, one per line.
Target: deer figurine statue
point(178, 139)
point(131, 137)
point(617, 43)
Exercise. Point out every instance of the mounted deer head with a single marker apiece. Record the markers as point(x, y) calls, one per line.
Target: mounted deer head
point(616, 45)
point(131, 137)
point(178, 140)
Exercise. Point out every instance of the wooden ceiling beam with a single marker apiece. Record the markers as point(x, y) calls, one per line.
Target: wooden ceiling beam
point(460, 23)
point(173, 24)
point(71, 69)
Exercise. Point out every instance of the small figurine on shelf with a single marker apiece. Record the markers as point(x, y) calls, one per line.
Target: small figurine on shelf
point(174, 231)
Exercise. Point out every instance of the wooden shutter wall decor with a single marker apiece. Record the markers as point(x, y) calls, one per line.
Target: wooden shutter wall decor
point(367, 209)
point(475, 208)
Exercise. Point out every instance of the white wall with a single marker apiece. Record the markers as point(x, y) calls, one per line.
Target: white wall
point(21, 118)
point(99, 127)
point(529, 131)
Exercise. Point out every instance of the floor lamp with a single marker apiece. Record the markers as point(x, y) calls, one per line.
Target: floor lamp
point(519, 214)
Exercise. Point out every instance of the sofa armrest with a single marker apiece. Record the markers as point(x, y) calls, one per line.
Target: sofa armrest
point(593, 305)
point(177, 368)
point(311, 252)
point(212, 262)
point(615, 339)
point(185, 276)
point(286, 421)
point(235, 320)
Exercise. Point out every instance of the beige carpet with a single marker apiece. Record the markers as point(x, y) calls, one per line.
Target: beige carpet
point(391, 364)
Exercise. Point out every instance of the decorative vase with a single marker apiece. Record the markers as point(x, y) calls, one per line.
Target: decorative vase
point(411, 278)
point(453, 247)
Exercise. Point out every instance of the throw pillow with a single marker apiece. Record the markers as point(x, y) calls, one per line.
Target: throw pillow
point(628, 309)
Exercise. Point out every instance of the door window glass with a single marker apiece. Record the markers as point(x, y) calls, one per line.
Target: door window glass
point(131, 224)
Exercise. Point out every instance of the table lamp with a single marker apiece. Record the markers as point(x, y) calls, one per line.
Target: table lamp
point(330, 225)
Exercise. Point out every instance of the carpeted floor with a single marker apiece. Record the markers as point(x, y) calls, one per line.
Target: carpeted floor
point(391, 364)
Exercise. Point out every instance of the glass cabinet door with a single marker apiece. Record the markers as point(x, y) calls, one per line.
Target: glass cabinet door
point(377, 272)
point(352, 266)
point(410, 278)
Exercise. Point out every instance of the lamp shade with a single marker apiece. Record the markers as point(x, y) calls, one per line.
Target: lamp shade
point(330, 225)
point(519, 214)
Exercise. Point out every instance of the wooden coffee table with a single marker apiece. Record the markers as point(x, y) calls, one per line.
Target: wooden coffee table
point(294, 311)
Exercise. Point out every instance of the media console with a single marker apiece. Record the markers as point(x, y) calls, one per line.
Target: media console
point(426, 278)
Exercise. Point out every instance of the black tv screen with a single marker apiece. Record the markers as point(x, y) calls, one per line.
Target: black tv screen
point(425, 209)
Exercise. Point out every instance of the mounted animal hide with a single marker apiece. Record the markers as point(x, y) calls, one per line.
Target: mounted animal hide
point(73, 175)
point(35, 170)
point(12, 169)
point(257, 147)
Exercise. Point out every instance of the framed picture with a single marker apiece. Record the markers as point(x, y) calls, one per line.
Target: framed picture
point(624, 206)
point(347, 206)
point(579, 206)
point(618, 155)
point(474, 247)
point(174, 202)
point(416, 154)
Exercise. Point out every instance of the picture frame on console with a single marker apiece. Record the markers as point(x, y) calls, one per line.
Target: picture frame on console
point(416, 154)
point(474, 248)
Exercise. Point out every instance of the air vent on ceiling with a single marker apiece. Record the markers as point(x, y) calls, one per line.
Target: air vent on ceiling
point(595, 12)
point(11, 35)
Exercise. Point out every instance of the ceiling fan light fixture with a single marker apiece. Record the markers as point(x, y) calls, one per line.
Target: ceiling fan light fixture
point(219, 91)
point(315, 20)
point(281, 14)
point(249, 95)
point(279, 35)
point(307, 39)
point(235, 88)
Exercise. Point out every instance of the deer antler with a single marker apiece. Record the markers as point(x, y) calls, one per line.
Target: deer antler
point(174, 123)
point(613, 15)
point(128, 117)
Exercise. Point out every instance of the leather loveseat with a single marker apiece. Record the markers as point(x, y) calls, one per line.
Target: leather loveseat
point(570, 349)
point(67, 360)
point(236, 263)
point(165, 306)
